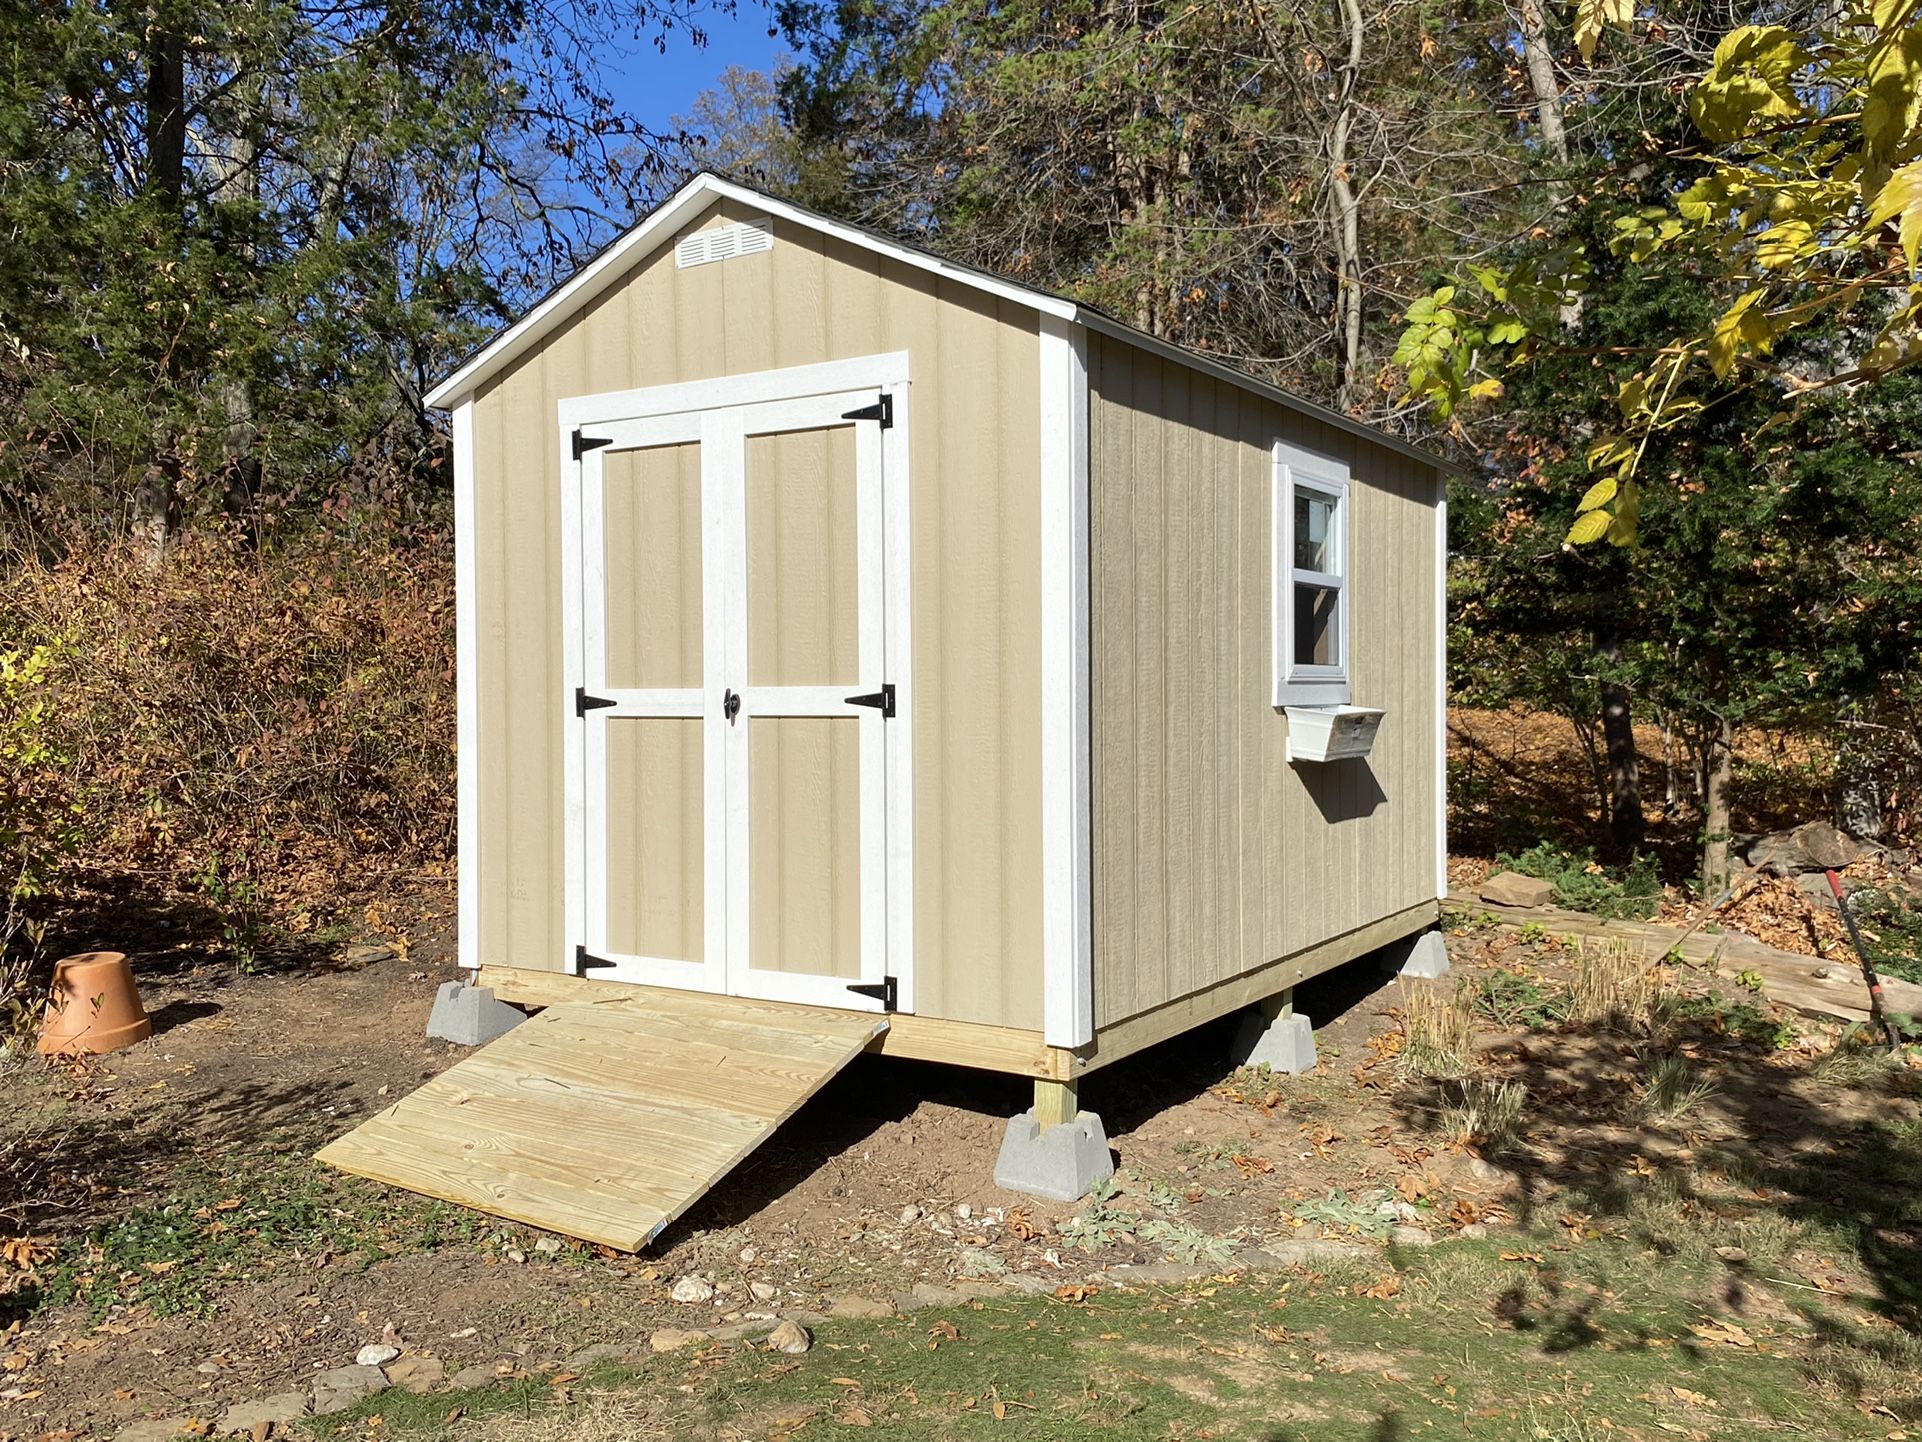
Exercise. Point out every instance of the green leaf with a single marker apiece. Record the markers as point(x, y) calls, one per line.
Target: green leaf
point(1752, 79)
point(1743, 326)
point(1599, 494)
point(1588, 529)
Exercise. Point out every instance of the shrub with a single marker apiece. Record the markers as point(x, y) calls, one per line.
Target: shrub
point(37, 822)
point(263, 730)
point(1583, 884)
point(1891, 925)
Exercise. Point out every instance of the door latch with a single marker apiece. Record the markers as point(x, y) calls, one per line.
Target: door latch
point(882, 700)
point(731, 706)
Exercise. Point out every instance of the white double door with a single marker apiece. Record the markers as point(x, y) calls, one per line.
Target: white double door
point(735, 707)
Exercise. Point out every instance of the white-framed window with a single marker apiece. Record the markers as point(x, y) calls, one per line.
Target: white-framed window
point(1311, 578)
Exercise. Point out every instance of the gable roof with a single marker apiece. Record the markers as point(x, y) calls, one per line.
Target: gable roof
point(654, 230)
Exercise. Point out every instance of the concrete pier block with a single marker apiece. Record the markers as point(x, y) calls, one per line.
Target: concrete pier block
point(1423, 955)
point(1284, 1043)
point(1061, 1163)
point(469, 1015)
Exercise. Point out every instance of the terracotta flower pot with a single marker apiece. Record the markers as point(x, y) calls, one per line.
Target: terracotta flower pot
point(95, 1007)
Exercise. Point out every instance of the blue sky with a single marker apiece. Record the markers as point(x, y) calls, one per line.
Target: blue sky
point(657, 87)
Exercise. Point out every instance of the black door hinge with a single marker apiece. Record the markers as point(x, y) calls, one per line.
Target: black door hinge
point(584, 959)
point(882, 700)
point(882, 410)
point(583, 703)
point(882, 991)
point(584, 444)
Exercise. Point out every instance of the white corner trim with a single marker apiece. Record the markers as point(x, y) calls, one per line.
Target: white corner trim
point(1441, 688)
point(466, 697)
point(1067, 833)
point(1296, 685)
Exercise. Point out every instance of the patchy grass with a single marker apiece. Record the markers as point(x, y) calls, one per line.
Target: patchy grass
point(1583, 884)
point(242, 1220)
point(1597, 1336)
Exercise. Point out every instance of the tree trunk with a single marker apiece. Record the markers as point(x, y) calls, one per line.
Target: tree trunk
point(1626, 827)
point(1720, 772)
point(1539, 55)
point(1347, 212)
point(156, 499)
point(238, 189)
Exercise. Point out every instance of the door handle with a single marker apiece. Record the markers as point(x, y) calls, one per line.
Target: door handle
point(731, 706)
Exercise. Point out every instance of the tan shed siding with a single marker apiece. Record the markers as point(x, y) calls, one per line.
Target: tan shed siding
point(973, 409)
point(1212, 855)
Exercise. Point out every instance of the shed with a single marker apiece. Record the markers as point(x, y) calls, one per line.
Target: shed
point(842, 628)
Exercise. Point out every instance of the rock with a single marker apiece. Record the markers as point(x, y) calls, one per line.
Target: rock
point(860, 1307)
point(280, 1410)
point(416, 1373)
point(763, 1291)
point(375, 1354)
point(1826, 848)
point(515, 1255)
point(344, 1386)
point(910, 1215)
point(963, 1212)
point(365, 955)
point(479, 1375)
point(693, 1289)
point(748, 1254)
point(1731, 1254)
point(672, 1339)
point(980, 1262)
point(156, 1429)
point(926, 1294)
point(1511, 888)
point(548, 1246)
point(1815, 886)
point(1411, 1237)
point(1298, 1254)
point(595, 1353)
point(1474, 1229)
point(790, 1337)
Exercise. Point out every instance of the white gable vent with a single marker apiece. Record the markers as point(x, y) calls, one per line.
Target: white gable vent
point(724, 242)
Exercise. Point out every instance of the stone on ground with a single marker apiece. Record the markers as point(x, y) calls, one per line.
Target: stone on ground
point(156, 1429)
point(790, 1337)
point(376, 1354)
point(415, 1373)
point(860, 1307)
point(282, 1409)
point(672, 1339)
point(594, 1353)
point(1282, 1043)
point(693, 1289)
point(1511, 888)
point(1061, 1164)
point(478, 1375)
point(342, 1387)
point(469, 1015)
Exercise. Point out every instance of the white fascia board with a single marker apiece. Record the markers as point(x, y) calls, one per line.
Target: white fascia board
point(1441, 696)
point(526, 333)
point(1067, 828)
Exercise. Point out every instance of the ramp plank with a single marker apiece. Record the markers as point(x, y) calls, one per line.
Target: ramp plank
point(606, 1120)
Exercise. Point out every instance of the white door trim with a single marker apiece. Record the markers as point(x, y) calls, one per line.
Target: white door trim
point(467, 907)
point(721, 413)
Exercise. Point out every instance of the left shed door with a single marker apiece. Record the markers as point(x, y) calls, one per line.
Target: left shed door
point(654, 888)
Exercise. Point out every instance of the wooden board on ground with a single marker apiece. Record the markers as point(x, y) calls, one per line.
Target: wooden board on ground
point(1808, 984)
point(607, 1120)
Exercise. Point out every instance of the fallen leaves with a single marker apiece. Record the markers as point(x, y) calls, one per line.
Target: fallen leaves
point(1724, 1333)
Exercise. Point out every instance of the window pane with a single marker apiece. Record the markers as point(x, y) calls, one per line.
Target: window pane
point(1317, 632)
point(1315, 533)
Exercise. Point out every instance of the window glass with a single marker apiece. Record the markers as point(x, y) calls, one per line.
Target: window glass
point(1314, 531)
point(1317, 636)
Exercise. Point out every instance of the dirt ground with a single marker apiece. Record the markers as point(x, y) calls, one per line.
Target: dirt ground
point(196, 1142)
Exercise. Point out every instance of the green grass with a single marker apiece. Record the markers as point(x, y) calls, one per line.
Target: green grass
point(219, 1225)
point(1472, 1339)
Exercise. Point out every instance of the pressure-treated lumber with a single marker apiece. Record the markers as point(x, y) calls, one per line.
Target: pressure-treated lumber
point(606, 1120)
point(1006, 1049)
point(1055, 1102)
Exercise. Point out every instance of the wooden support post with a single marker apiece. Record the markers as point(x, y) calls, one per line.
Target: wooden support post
point(1281, 1004)
point(1055, 1102)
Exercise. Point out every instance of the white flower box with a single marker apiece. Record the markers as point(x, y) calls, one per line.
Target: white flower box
point(1331, 733)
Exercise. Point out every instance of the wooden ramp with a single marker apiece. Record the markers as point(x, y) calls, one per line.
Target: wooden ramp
point(607, 1120)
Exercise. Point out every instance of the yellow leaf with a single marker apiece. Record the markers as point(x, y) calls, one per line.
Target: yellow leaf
point(1599, 494)
point(1900, 199)
point(1588, 528)
point(1743, 326)
point(1593, 16)
point(1628, 507)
